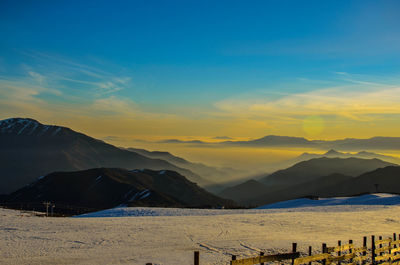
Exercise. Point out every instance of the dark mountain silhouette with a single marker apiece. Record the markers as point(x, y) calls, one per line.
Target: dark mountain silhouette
point(160, 155)
point(308, 170)
point(386, 180)
point(301, 179)
point(333, 153)
point(380, 180)
point(306, 189)
point(30, 149)
point(103, 188)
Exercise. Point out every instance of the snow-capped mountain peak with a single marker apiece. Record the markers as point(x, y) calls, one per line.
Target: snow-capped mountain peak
point(27, 127)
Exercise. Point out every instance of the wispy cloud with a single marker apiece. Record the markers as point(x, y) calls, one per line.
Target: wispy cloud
point(87, 98)
point(47, 85)
point(65, 72)
point(359, 100)
point(37, 77)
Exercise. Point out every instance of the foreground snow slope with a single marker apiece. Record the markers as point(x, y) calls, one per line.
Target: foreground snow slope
point(26, 239)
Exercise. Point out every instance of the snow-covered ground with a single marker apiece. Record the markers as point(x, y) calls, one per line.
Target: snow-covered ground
point(302, 205)
point(169, 236)
point(367, 199)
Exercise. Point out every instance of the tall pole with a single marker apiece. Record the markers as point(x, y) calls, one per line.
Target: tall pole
point(47, 204)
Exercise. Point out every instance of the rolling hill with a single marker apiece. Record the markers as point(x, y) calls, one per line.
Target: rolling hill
point(103, 188)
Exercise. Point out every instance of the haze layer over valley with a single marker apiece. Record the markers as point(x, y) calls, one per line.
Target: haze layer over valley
point(258, 159)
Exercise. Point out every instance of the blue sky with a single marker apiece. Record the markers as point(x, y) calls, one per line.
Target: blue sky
point(189, 60)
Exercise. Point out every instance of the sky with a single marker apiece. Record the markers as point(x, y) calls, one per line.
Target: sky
point(129, 71)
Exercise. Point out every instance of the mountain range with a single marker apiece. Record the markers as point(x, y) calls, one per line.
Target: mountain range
point(386, 180)
point(30, 149)
point(317, 167)
point(301, 179)
point(350, 144)
point(96, 174)
point(333, 153)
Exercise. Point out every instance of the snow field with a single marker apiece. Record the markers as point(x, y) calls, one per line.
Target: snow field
point(169, 236)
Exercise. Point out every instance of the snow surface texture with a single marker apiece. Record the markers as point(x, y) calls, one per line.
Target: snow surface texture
point(368, 199)
point(169, 236)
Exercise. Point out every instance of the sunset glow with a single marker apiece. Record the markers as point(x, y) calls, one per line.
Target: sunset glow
point(187, 72)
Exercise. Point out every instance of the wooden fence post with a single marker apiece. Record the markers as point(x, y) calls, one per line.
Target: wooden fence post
point(149, 263)
point(380, 245)
point(392, 246)
point(294, 249)
point(261, 254)
point(373, 254)
point(351, 250)
point(324, 251)
point(365, 251)
point(309, 253)
point(339, 243)
point(196, 258)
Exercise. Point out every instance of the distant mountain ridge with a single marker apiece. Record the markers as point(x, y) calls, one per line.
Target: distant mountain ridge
point(373, 143)
point(159, 155)
point(275, 140)
point(215, 174)
point(30, 149)
point(103, 188)
point(333, 153)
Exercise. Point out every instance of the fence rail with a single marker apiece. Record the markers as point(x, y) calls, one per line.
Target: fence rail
point(384, 251)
